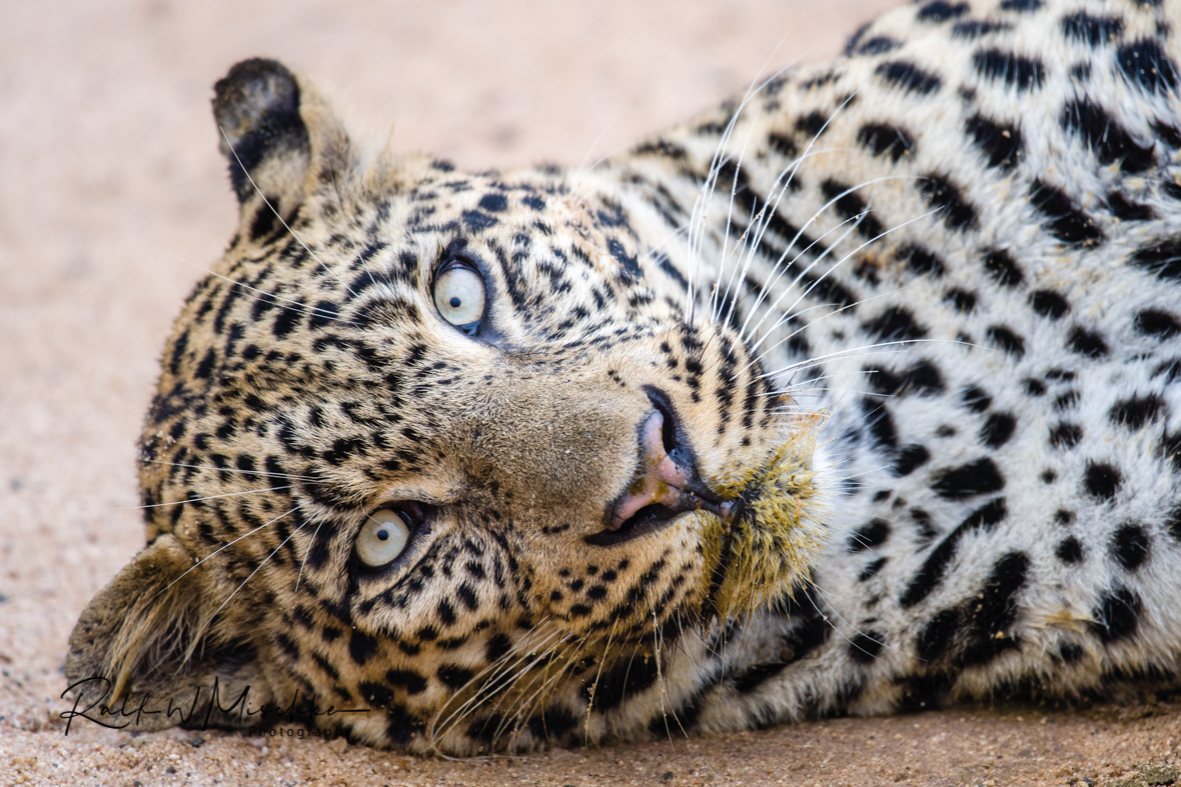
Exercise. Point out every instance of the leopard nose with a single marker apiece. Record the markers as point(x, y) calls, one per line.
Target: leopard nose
point(665, 484)
point(658, 481)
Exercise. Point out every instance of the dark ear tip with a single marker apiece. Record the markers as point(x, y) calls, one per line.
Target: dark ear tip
point(256, 106)
point(252, 91)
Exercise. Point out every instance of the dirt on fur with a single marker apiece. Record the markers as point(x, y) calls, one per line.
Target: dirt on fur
point(114, 198)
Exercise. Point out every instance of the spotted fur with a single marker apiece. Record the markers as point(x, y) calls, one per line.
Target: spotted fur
point(944, 267)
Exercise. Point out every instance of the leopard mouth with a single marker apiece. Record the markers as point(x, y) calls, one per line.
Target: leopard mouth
point(666, 484)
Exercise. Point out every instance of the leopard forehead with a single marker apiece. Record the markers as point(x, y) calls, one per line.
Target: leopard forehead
point(781, 372)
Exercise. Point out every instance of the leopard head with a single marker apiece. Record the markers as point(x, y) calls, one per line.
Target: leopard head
point(458, 449)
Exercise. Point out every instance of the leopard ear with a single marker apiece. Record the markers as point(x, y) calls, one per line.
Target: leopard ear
point(155, 636)
point(278, 136)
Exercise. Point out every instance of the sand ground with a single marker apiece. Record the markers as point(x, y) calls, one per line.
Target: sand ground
point(112, 196)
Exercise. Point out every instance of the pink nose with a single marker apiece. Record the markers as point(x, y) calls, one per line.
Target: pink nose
point(658, 481)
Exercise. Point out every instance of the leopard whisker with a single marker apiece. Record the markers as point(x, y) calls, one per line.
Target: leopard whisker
point(859, 218)
point(492, 683)
point(308, 551)
point(838, 353)
point(729, 220)
point(197, 635)
point(262, 295)
point(279, 216)
point(872, 240)
point(780, 270)
point(699, 213)
point(761, 222)
point(199, 499)
point(225, 546)
point(829, 313)
point(792, 168)
point(215, 469)
point(706, 192)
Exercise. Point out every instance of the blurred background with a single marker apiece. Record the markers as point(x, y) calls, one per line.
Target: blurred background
point(113, 196)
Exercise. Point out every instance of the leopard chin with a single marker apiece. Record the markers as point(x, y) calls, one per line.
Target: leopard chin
point(761, 550)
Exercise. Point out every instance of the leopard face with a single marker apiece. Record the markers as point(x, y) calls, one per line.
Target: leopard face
point(448, 446)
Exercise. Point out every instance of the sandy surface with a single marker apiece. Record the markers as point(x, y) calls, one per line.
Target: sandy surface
point(112, 195)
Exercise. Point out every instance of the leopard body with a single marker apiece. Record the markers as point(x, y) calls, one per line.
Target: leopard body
point(938, 273)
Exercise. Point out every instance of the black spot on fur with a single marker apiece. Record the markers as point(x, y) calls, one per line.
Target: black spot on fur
point(1088, 343)
point(362, 647)
point(909, 77)
point(407, 679)
point(1117, 615)
point(975, 478)
point(625, 678)
point(910, 458)
point(813, 124)
point(923, 379)
point(976, 399)
point(1049, 304)
point(941, 11)
point(920, 260)
point(1066, 435)
point(1168, 134)
point(477, 221)
point(1069, 550)
point(265, 221)
point(1158, 324)
point(1003, 268)
point(993, 611)
point(872, 535)
point(1092, 30)
point(1171, 188)
point(1130, 546)
point(878, 45)
point(880, 424)
point(493, 203)
point(1005, 340)
point(964, 301)
point(871, 569)
point(783, 145)
point(1066, 222)
point(935, 566)
point(1102, 480)
point(1020, 72)
point(885, 140)
point(894, 324)
point(971, 29)
point(1071, 652)
point(402, 727)
point(865, 647)
point(1137, 411)
point(1105, 137)
point(998, 429)
point(1025, 6)
point(1124, 209)
point(851, 206)
point(946, 197)
point(454, 676)
point(1162, 260)
point(1145, 65)
point(630, 265)
point(933, 641)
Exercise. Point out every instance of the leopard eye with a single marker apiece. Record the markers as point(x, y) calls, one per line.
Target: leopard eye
point(459, 295)
point(384, 536)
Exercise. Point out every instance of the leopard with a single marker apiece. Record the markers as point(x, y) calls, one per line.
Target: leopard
point(857, 394)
